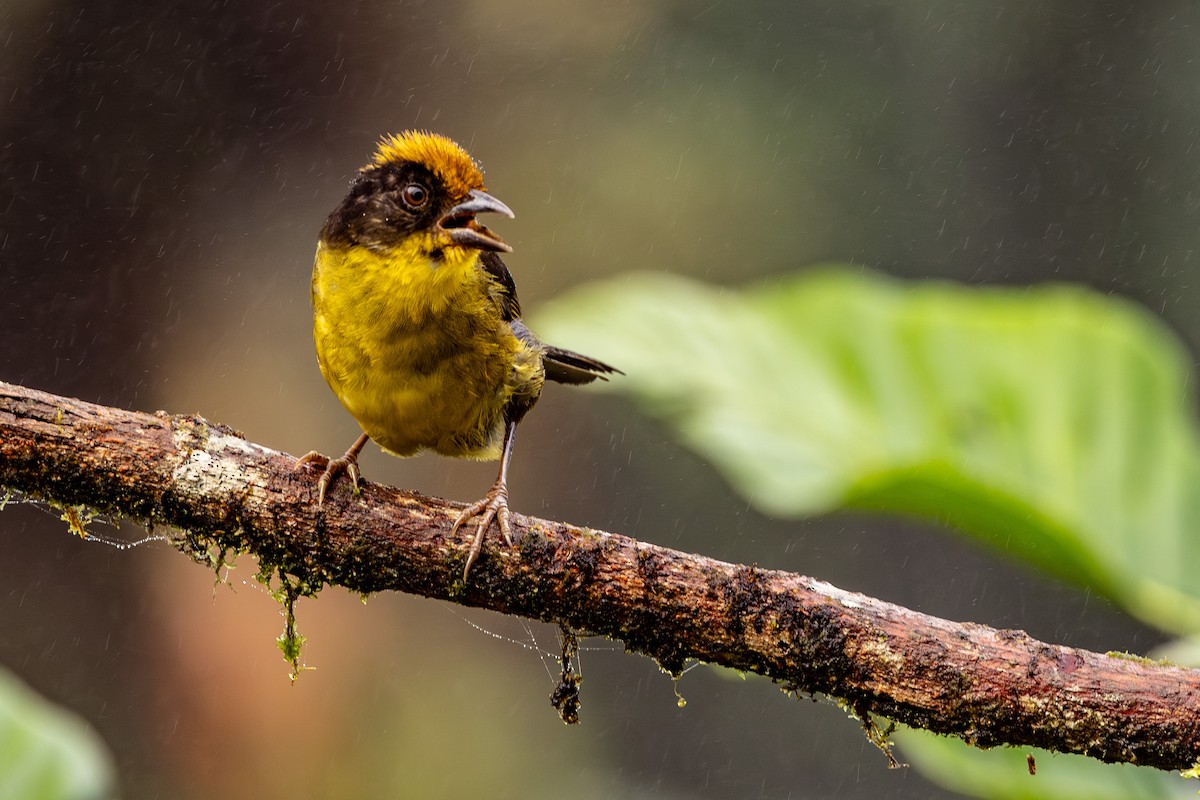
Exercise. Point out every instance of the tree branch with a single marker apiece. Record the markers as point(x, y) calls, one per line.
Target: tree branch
point(221, 494)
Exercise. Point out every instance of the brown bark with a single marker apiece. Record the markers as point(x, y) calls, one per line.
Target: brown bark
point(222, 494)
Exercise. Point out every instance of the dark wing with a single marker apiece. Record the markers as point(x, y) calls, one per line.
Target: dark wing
point(503, 289)
point(562, 366)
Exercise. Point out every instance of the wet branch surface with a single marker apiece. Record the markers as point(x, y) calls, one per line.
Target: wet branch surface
point(214, 493)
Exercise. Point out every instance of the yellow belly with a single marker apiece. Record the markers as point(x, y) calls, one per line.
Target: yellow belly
point(417, 350)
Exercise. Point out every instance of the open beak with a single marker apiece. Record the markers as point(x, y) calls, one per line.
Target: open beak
point(459, 222)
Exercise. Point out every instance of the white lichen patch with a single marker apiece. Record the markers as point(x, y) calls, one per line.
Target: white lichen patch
point(840, 596)
point(219, 466)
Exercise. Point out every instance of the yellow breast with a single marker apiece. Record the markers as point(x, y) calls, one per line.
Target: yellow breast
point(415, 348)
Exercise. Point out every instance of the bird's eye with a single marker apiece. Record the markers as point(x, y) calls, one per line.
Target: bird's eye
point(415, 195)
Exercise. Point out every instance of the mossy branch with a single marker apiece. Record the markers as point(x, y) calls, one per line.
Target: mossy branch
point(219, 494)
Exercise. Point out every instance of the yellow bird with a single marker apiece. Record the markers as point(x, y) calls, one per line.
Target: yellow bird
point(416, 320)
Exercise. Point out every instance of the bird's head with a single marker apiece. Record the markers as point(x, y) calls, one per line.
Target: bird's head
point(417, 183)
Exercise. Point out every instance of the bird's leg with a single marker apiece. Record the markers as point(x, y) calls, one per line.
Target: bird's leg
point(493, 506)
point(348, 464)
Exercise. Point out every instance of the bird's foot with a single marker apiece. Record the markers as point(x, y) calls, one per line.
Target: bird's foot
point(493, 506)
point(348, 464)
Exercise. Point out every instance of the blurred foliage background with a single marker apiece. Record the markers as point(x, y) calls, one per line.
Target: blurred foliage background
point(165, 172)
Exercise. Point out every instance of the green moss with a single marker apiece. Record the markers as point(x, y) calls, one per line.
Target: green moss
point(880, 737)
point(290, 643)
point(1125, 655)
point(289, 589)
point(76, 517)
point(680, 700)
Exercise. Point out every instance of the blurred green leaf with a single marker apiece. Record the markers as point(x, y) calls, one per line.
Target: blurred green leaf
point(1003, 773)
point(47, 753)
point(1053, 423)
point(1184, 651)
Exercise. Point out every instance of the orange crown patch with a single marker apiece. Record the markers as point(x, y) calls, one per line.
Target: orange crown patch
point(442, 156)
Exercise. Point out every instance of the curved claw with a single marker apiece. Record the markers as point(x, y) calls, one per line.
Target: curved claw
point(348, 464)
point(493, 506)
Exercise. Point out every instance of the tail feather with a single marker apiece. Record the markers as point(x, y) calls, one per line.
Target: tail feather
point(563, 366)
